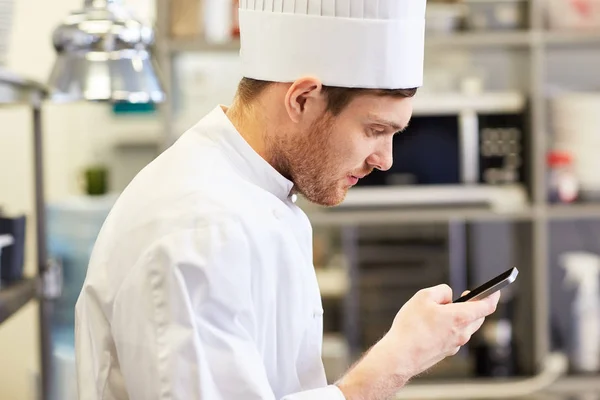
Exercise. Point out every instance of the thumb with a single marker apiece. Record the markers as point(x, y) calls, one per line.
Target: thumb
point(441, 294)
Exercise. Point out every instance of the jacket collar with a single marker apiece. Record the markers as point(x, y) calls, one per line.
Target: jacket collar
point(249, 163)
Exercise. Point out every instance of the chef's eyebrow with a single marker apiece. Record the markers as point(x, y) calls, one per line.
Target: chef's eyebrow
point(383, 121)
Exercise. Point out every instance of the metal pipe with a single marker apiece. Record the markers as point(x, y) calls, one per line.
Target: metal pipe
point(42, 253)
point(351, 305)
point(469, 146)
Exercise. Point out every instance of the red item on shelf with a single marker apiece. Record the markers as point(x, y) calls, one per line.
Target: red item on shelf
point(562, 180)
point(558, 158)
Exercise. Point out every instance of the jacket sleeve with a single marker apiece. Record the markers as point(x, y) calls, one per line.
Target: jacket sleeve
point(183, 322)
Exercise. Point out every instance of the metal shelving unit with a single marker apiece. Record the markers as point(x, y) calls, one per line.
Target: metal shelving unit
point(15, 90)
point(14, 296)
point(533, 218)
point(509, 39)
point(395, 216)
point(573, 211)
point(481, 39)
point(571, 38)
point(453, 104)
point(199, 45)
point(573, 384)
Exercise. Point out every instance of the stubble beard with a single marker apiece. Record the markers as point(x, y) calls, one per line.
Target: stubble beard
point(311, 164)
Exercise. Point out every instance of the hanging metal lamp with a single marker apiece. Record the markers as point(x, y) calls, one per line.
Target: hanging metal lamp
point(104, 54)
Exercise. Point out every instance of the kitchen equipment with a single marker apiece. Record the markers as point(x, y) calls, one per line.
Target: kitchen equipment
point(104, 54)
point(576, 123)
point(454, 144)
point(12, 260)
point(502, 154)
point(391, 264)
point(496, 14)
point(573, 14)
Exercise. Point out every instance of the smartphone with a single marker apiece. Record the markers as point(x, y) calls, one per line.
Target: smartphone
point(491, 286)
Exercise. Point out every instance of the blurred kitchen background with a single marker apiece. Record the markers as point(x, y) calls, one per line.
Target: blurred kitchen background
point(500, 167)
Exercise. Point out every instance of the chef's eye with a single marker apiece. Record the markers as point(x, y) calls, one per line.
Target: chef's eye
point(376, 131)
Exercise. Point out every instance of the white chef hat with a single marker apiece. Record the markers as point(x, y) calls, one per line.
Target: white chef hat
point(376, 44)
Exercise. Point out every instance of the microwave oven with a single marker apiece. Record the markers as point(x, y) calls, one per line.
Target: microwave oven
point(460, 145)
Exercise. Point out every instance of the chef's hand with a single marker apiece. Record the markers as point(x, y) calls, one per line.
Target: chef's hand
point(427, 329)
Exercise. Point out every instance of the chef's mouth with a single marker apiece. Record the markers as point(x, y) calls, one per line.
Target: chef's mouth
point(352, 180)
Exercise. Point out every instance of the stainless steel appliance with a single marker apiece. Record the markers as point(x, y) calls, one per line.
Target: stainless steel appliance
point(473, 143)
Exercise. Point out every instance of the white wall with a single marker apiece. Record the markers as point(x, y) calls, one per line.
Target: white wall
point(71, 133)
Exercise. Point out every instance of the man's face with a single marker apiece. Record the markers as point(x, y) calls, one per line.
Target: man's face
point(325, 162)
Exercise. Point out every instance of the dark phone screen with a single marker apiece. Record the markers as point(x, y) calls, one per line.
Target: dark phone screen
point(489, 284)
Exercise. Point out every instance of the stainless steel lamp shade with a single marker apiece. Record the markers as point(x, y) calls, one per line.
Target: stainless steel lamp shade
point(104, 55)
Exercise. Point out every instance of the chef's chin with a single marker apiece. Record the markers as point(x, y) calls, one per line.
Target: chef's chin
point(329, 197)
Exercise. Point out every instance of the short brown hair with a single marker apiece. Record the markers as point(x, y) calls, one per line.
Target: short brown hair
point(337, 97)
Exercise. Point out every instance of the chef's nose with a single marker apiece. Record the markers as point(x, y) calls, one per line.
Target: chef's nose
point(382, 158)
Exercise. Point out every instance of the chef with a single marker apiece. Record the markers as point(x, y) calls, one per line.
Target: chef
point(201, 283)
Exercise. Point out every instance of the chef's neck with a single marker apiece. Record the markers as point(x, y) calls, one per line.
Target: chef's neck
point(255, 126)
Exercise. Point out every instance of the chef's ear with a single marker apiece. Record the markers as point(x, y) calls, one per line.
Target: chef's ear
point(304, 97)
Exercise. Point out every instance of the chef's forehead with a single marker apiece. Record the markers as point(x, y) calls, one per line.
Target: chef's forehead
point(372, 44)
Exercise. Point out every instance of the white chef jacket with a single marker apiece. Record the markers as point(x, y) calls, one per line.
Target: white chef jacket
point(201, 283)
